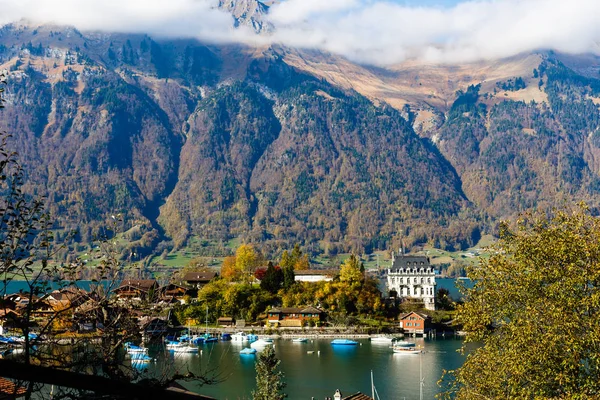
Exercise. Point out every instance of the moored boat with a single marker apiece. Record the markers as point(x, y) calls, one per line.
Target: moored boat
point(261, 343)
point(300, 340)
point(185, 349)
point(133, 349)
point(343, 342)
point(239, 337)
point(405, 348)
point(382, 339)
point(247, 351)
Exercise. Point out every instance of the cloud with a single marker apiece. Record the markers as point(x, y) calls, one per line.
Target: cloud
point(172, 18)
point(378, 32)
point(382, 32)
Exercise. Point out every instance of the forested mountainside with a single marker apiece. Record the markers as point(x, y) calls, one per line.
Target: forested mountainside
point(190, 140)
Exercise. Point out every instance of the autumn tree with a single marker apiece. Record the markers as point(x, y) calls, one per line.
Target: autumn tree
point(535, 309)
point(229, 269)
point(350, 270)
point(269, 380)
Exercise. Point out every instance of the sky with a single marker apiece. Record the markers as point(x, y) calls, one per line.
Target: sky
point(378, 32)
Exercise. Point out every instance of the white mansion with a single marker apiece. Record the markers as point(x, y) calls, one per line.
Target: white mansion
point(412, 277)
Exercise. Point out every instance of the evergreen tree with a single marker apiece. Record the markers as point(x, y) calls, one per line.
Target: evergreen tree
point(269, 381)
point(273, 279)
point(289, 277)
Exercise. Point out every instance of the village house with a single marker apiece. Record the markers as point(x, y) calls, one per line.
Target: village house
point(315, 275)
point(173, 293)
point(415, 323)
point(138, 289)
point(294, 316)
point(199, 279)
point(412, 277)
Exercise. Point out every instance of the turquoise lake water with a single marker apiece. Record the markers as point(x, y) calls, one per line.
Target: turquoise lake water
point(348, 368)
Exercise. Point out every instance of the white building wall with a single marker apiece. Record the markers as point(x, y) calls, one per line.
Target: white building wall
point(312, 278)
point(417, 283)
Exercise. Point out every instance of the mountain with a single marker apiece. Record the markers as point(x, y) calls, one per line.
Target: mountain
point(275, 145)
point(251, 13)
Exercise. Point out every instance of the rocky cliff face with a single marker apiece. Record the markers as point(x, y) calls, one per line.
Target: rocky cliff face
point(249, 13)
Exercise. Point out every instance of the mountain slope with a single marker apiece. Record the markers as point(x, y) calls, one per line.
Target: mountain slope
point(277, 145)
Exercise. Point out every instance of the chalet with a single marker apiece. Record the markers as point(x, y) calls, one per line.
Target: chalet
point(356, 396)
point(294, 316)
point(199, 279)
point(226, 322)
point(173, 293)
point(137, 289)
point(416, 323)
point(66, 298)
point(315, 275)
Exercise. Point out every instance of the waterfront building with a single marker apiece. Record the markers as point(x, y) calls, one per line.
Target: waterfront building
point(415, 323)
point(294, 316)
point(412, 277)
point(315, 275)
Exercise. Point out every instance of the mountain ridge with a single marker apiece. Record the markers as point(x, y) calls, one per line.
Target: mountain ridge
point(268, 144)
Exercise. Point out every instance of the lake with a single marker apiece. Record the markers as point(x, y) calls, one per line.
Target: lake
point(347, 368)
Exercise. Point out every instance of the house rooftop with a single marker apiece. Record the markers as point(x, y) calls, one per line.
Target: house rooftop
point(142, 284)
point(202, 276)
point(327, 272)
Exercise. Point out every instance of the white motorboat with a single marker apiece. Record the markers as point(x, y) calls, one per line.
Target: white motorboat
point(261, 343)
point(381, 339)
point(185, 349)
point(405, 348)
point(300, 340)
point(239, 337)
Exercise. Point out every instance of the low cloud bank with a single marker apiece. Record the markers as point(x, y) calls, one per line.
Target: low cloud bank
point(371, 31)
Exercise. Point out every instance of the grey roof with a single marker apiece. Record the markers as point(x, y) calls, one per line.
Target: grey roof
point(403, 261)
point(202, 276)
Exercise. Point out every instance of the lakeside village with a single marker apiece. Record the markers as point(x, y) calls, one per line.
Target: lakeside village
point(243, 303)
point(286, 300)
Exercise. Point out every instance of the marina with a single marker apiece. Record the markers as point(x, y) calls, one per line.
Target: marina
point(316, 369)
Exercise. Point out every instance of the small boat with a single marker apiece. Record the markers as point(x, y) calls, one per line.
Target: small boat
point(175, 344)
point(133, 349)
point(225, 337)
point(343, 342)
point(405, 348)
point(196, 340)
point(382, 339)
point(185, 349)
point(239, 337)
point(300, 340)
point(252, 337)
point(247, 351)
point(261, 343)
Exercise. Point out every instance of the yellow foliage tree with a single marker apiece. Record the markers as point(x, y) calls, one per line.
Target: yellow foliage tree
point(350, 271)
point(246, 260)
point(229, 270)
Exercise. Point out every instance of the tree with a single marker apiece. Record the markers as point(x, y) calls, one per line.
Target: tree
point(350, 270)
point(269, 384)
point(245, 260)
point(535, 307)
point(229, 270)
point(289, 277)
point(273, 279)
